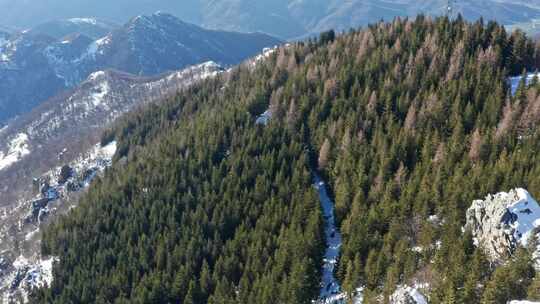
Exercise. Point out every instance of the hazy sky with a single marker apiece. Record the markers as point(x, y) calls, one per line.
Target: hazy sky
point(282, 18)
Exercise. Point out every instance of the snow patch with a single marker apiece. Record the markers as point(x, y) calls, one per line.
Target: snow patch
point(528, 216)
point(107, 151)
point(523, 302)
point(514, 81)
point(91, 21)
point(93, 162)
point(96, 75)
point(210, 69)
point(103, 41)
point(202, 71)
point(407, 295)
point(504, 221)
point(330, 289)
point(96, 47)
point(29, 275)
point(17, 149)
point(31, 234)
point(266, 53)
point(264, 118)
point(98, 93)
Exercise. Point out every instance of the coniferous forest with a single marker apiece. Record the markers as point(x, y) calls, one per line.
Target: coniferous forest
point(409, 121)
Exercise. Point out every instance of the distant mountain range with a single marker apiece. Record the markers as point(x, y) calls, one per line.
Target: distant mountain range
point(282, 18)
point(37, 64)
point(89, 27)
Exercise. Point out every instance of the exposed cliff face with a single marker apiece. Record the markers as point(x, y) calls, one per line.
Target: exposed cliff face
point(502, 222)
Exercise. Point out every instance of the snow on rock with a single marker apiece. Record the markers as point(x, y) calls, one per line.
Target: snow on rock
point(97, 94)
point(185, 77)
point(30, 270)
point(93, 162)
point(27, 276)
point(514, 81)
point(266, 53)
point(209, 68)
point(503, 221)
point(407, 295)
point(201, 71)
point(54, 185)
point(523, 302)
point(264, 118)
point(359, 296)
point(107, 151)
point(100, 92)
point(96, 75)
point(38, 274)
point(103, 41)
point(92, 21)
point(17, 149)
point(95, 48)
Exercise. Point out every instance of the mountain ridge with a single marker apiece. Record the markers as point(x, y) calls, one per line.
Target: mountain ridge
point(147, 45)
point(287, 19)
point(406, 122)
point(55, 151)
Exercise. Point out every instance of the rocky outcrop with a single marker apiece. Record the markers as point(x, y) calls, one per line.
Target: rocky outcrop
point(22, 268)
point(26, 276)
point(35, 213)
point(407, 295)
point(502, 222)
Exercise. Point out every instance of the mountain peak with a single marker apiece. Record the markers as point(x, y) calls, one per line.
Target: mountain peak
point(155, 20)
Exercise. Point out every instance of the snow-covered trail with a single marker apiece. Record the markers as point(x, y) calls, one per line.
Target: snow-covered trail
point(330, 289)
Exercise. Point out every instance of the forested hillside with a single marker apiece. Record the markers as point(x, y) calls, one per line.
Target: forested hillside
point(409, 121)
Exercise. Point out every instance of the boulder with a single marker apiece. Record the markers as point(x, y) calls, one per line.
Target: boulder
point(407, 295)
point(35, 210)
point(502, 222)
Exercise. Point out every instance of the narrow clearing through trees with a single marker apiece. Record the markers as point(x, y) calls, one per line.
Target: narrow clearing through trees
point(330, 288)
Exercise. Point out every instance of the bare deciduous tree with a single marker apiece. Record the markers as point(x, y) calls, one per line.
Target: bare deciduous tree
point(324, 154)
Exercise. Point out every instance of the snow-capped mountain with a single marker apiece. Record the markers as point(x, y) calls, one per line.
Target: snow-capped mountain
point(90, 27)
point(282, 18)
point(54, 153)
point(35, 66)
point(160, 42)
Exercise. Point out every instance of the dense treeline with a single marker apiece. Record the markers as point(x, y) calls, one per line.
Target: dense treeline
point(199, 215)
point(409, 121)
